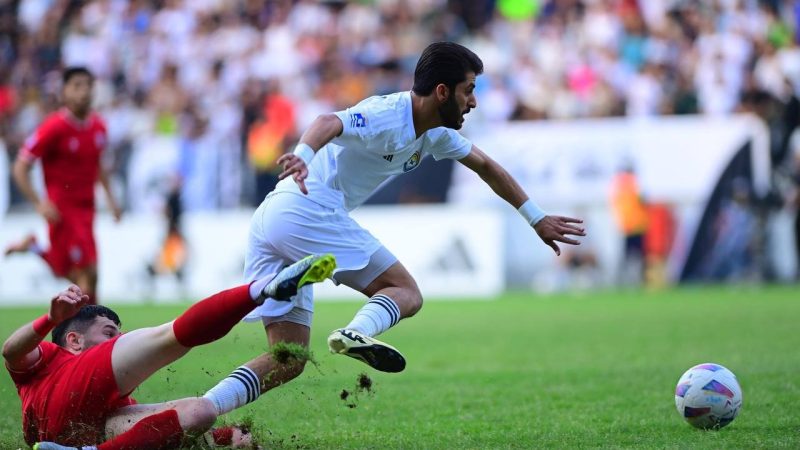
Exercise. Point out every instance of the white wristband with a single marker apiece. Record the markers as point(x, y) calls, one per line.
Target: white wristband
point(304, 152)
point(531, 212)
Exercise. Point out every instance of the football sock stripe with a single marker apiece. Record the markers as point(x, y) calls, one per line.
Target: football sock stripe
point(376, 316)
point(234, 391)
point(390, 306)
point(246, 384)
point(392, 314)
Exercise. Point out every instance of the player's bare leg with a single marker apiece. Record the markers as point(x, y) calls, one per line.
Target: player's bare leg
point(24, 245)
point(263, 373)
point(273, 373)
point(394, 295)
point(195, 414)
point(164, 425)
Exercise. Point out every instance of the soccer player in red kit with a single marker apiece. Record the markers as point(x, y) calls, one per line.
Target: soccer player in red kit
point(76, 390)
point(69, 143)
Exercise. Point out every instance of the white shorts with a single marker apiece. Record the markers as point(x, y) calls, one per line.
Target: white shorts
point(287, 227)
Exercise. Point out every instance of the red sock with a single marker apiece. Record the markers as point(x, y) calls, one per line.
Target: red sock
point(222, 436)
point(160, 431)
point(210, 319)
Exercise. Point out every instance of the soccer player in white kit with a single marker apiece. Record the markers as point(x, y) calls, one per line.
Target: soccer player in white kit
point(341, 159)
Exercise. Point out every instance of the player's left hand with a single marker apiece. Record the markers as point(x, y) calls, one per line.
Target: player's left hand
point(296, 167)
point(557, 228)
point(67, 303)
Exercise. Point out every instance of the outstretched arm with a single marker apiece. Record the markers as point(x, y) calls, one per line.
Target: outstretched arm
point(21, 350)
point(549, 228)
point(322, 130)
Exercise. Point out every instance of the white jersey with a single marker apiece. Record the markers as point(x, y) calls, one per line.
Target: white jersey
point(378, 141)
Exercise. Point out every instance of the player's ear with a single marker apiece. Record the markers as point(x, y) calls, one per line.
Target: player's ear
point(442, 92)
point(73, 341)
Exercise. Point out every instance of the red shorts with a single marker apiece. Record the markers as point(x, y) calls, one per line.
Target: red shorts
point(72, 241)
point(70, 406)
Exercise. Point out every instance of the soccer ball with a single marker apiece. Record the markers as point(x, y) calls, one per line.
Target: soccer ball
point(708, 396)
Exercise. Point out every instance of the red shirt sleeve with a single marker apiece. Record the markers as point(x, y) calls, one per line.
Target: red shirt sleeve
point(47, 350)
point(41, 141)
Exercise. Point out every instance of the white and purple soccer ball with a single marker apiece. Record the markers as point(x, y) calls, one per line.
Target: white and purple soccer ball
point(708, 396)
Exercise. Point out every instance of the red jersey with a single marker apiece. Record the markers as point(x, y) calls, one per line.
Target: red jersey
point(70, 152)
point(65, 397)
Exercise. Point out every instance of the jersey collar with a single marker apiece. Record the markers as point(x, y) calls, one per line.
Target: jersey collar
point(74, 121)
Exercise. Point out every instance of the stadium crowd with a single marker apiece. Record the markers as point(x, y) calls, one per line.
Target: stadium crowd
point(206, 94)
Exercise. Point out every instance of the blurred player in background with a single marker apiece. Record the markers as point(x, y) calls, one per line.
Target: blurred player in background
point(341, 159)
point(76, 390)
point(69, 143)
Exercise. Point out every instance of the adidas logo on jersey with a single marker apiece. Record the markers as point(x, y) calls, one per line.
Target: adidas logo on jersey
point(389, 157)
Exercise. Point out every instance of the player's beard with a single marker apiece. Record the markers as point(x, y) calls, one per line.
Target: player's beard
point(80, 108)
point(450, 114)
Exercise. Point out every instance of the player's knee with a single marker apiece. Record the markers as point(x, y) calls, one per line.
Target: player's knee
point(414, 303)
point(292, 369)
point(196, 415)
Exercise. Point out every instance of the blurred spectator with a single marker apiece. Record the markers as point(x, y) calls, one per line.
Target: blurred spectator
point(172, 255)
point(794, 201)
point(167, 99)
point(198, 162)
point(273, 130)
point(658, 240)
point(731, 256)
point(631, 214)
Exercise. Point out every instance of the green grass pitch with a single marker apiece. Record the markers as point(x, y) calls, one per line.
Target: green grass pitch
point(564, 371)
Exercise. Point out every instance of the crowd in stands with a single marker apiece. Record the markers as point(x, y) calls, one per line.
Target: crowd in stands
point(216, 90)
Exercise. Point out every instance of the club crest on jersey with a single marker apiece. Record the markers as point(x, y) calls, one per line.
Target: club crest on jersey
point(358, 120)
point(73, 145)
point(412, 162)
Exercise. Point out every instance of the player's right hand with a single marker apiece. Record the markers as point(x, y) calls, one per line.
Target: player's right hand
point(296, 167)
point(48, 211)
point(67, 303)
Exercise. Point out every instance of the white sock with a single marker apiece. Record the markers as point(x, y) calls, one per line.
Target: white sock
point(257, 289)
point(378, 315)
point(236, 390)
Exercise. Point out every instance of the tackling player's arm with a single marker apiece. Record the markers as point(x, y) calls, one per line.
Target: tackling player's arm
point(549, 228)
point(21, 349)
point(322, 130)
point(22, 177)
point(36, 146)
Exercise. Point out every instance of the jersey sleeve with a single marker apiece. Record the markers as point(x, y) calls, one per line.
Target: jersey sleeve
point(41, 141)
point(355, 129)
point(367, 124)
point(449, 144)
point(46, 352)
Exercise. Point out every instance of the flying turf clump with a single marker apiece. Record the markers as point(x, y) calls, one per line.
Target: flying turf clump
point(363, 384)
point(287, 352)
